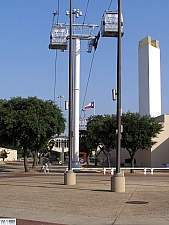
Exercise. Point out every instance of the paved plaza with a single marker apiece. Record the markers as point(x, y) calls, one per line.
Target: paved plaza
point(36, 198)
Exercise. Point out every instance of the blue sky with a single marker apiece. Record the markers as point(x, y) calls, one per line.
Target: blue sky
point(27, 66)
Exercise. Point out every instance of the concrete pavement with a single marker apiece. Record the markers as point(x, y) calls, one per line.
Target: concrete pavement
point(37, 198)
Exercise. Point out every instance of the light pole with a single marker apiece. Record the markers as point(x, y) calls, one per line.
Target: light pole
point(70, 176)
point(119, 110)
point(118, 181)
point(70, 90)
point(75, 12)
point(60, 96)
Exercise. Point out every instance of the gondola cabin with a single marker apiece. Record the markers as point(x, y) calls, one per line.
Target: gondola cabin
point(58, 38)
point(109, 24)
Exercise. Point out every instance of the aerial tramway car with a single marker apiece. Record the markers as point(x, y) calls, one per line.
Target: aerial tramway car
point(58, 37)
point(109, 24)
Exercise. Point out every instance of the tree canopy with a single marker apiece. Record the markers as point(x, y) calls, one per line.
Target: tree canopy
point(138, 132)
point(3, 154)
point(29, 121)
point(101, 131)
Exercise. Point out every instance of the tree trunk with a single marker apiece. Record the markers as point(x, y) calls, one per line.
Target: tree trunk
point(39, 161)
point(35, 159)
point(96, 158)
point(132, 163)
point(26, 166)
point(108, 159)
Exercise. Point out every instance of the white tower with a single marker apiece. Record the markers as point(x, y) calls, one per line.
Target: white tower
point(149, 77)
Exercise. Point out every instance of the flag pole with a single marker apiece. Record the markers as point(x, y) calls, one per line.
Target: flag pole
point(94, 108)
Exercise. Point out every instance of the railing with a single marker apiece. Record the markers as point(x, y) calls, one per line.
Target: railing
point(112, 169)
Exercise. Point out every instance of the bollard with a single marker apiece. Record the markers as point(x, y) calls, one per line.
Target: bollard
point(118, 183)
point(70, 178)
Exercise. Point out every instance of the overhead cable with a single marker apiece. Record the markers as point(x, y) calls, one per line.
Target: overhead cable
point(95, 47)
point(86, 11)
point(87, 82)
point(56, 56)
point(58, 12)
point(110, 4)
point(55, 76)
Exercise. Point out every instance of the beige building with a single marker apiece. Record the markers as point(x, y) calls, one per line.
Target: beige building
point(60, 146)
point(11, 156)
point(157, 156)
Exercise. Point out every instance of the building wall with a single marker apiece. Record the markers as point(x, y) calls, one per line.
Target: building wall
point(157, 156)
point(154, 81)
point(12, 156)
point(143, 81)
point(149, 77)
point(102, 157)
point(160, 151)
point(58, 144)
point(143, 158)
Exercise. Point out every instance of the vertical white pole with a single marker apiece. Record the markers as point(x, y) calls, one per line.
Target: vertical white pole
point(63, 146)
point(75, 161)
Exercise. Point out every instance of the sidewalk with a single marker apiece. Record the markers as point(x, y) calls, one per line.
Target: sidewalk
point(43, 199)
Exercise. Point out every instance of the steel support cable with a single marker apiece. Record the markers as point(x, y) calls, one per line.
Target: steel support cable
point(58, 11)
point(85, 15)
point(92, 57)
point(56, 56)
point(55, 76)
point(87, 82)
point(86, 11)
point(110, 4)
point(107, 9)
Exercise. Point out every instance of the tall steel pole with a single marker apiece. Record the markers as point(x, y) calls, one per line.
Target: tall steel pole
point(118, 180)
point(119, 110)
point(70, 91)
point(70, 176)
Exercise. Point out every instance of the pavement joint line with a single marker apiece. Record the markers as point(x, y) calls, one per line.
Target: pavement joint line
point(124, 205)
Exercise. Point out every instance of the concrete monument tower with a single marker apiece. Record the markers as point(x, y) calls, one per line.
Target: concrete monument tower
point(149, 77)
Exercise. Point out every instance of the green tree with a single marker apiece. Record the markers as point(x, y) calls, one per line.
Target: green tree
point(3, 154)
point(108, 135)
point(84, 144)
point(6, 124)
point(138, 133)
point(29, 121)
point(94, 127)
point(101, 131)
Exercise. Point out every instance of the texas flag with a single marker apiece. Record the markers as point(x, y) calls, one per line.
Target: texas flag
point(90, 105)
